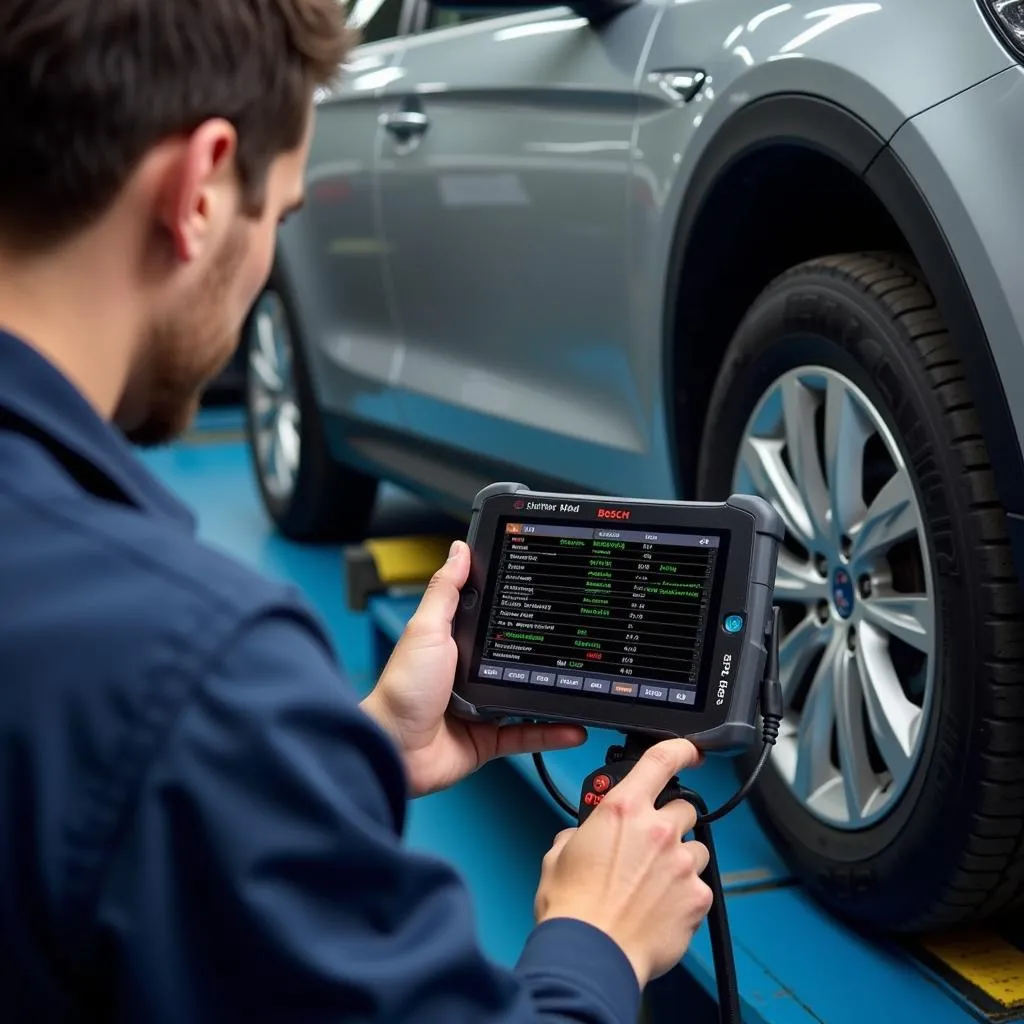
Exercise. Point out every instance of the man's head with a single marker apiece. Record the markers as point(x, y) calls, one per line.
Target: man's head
point(185, 125)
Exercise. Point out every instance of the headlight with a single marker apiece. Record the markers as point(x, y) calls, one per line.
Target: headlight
point(1008, 17)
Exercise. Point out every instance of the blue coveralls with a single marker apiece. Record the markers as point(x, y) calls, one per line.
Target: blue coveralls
point(197, 821)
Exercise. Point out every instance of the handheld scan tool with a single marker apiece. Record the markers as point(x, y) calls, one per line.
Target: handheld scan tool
point(647, 616)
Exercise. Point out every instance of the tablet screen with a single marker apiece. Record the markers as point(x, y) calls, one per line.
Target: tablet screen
point(612, 613)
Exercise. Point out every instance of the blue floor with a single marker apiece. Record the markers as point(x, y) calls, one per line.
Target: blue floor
point(491, 827)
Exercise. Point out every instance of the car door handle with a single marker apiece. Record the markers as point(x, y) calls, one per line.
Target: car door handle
point(405, 123)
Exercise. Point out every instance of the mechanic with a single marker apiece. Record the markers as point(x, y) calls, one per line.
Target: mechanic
point(200, 820)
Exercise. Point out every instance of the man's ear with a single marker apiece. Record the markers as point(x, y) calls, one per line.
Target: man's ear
point(199, 191)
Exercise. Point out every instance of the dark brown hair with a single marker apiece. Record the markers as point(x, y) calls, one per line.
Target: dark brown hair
point(88, 87)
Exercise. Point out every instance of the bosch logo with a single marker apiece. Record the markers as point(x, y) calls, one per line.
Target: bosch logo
point(519, 503)
point(613, 513)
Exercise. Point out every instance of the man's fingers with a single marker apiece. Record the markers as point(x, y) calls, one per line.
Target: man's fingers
point(658, 765)
point(682, 813)
point(701, 855)
point(533, 739)
point(561, 839)
point(551, 857)
point(439, 603)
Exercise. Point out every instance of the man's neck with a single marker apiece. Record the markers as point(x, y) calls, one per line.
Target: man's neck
point(69, 306)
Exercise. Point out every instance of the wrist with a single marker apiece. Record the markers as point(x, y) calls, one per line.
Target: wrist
point(641, 968)
point(376, 707)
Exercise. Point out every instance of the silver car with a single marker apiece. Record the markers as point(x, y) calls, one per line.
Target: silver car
point(687, 247)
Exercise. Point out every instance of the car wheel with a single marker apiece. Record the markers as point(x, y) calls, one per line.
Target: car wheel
point(308, 494)
point(896, 789)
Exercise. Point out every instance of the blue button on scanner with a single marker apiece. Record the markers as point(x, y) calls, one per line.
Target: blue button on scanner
point(733, 623)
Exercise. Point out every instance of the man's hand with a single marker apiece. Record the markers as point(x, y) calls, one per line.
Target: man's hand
point(626, 871)
point(411, 696)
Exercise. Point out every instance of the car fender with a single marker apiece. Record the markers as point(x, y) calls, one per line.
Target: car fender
point(884, 62)
point(836, 132)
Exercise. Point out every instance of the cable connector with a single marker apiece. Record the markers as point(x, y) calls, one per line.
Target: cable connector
point(772, 707)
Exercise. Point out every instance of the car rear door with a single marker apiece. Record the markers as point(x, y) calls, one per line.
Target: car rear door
point(504, 175)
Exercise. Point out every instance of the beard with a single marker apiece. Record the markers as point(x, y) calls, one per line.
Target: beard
point(185, 351)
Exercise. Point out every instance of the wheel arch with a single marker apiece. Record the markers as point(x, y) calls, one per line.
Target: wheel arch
point(726, 250)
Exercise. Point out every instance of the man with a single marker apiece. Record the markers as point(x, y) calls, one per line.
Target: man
point(199, 822)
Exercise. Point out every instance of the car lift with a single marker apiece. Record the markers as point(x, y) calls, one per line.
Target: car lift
point(796, 964)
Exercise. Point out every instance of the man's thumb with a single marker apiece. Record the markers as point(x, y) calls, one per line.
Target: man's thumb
point(439, 603)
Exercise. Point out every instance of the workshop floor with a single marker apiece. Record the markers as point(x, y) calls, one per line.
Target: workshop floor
point(491, 827)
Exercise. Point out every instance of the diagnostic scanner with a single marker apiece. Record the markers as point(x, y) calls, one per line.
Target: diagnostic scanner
point(620, 613)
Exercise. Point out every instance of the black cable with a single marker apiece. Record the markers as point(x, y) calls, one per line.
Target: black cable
point(729, 1007)
point(771, 706)
point(549, 784)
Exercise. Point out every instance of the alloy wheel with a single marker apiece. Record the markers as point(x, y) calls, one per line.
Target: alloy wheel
point(854, 585)
point(273, 402)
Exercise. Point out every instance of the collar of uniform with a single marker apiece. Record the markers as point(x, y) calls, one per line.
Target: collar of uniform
point(32, 388)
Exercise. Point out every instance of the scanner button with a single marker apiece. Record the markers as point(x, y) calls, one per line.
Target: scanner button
point(654, 692)
point(624, 689)
point(733, 623)
point(469, 598)
point(682, 696)
point(490, 671)
point(517, 675)
point(596, 685)
point(570, 682)
point(542, 678)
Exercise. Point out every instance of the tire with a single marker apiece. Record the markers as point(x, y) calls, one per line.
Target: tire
point(946, 846)
point(320, 500)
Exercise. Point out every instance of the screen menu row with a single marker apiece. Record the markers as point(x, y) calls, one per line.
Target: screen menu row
point(620, 612)
point(643, 689)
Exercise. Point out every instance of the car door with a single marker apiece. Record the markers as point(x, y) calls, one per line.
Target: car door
point(504, 176)
point(334, 252)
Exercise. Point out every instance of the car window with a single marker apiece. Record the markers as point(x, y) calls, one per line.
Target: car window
point(376, 20)
point(448, 17)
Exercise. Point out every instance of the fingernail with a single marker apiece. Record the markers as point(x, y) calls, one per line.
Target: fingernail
point(454, 548)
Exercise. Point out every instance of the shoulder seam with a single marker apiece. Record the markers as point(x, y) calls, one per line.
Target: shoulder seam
point(140, 557)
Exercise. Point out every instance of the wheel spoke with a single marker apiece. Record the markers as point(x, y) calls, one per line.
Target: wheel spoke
point(265, 355)
point(272, 459)
point(894, 720)
point(799, 409)
point(814, 767)
point(905, 616)
point(797, 652)
point(796, 580)
point(264, 411)
point(288, 436)
point(846, 433)
point(890, 518)
point(860, 783)
point(763, 460)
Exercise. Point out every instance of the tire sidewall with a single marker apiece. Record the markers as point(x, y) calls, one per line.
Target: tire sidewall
point(813, 318)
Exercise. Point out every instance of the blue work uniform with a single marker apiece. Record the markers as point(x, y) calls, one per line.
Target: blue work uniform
point(197, 821)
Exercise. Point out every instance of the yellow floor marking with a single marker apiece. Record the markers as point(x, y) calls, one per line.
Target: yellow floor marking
point(990, 963)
